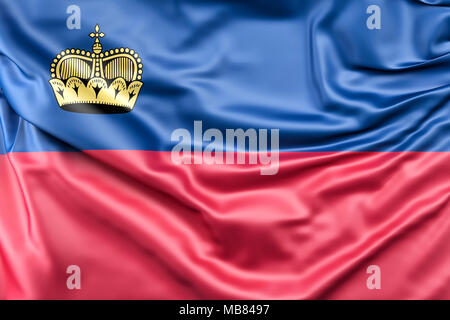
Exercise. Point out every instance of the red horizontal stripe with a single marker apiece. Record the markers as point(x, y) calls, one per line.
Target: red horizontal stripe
point(141, 227)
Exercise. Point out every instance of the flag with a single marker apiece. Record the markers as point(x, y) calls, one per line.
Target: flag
point(225, 149)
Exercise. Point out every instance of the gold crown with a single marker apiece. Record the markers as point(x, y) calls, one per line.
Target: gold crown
point(97, 81)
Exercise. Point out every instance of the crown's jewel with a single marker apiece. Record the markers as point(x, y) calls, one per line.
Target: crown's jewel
point(97, 46)
point(98, 81)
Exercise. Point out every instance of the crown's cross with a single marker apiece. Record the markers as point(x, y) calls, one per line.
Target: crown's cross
point(97, 46)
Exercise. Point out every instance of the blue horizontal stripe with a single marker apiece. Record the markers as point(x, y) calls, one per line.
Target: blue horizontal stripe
point(311, 69)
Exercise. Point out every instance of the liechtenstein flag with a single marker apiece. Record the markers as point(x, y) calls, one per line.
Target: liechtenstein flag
point(227, 149)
